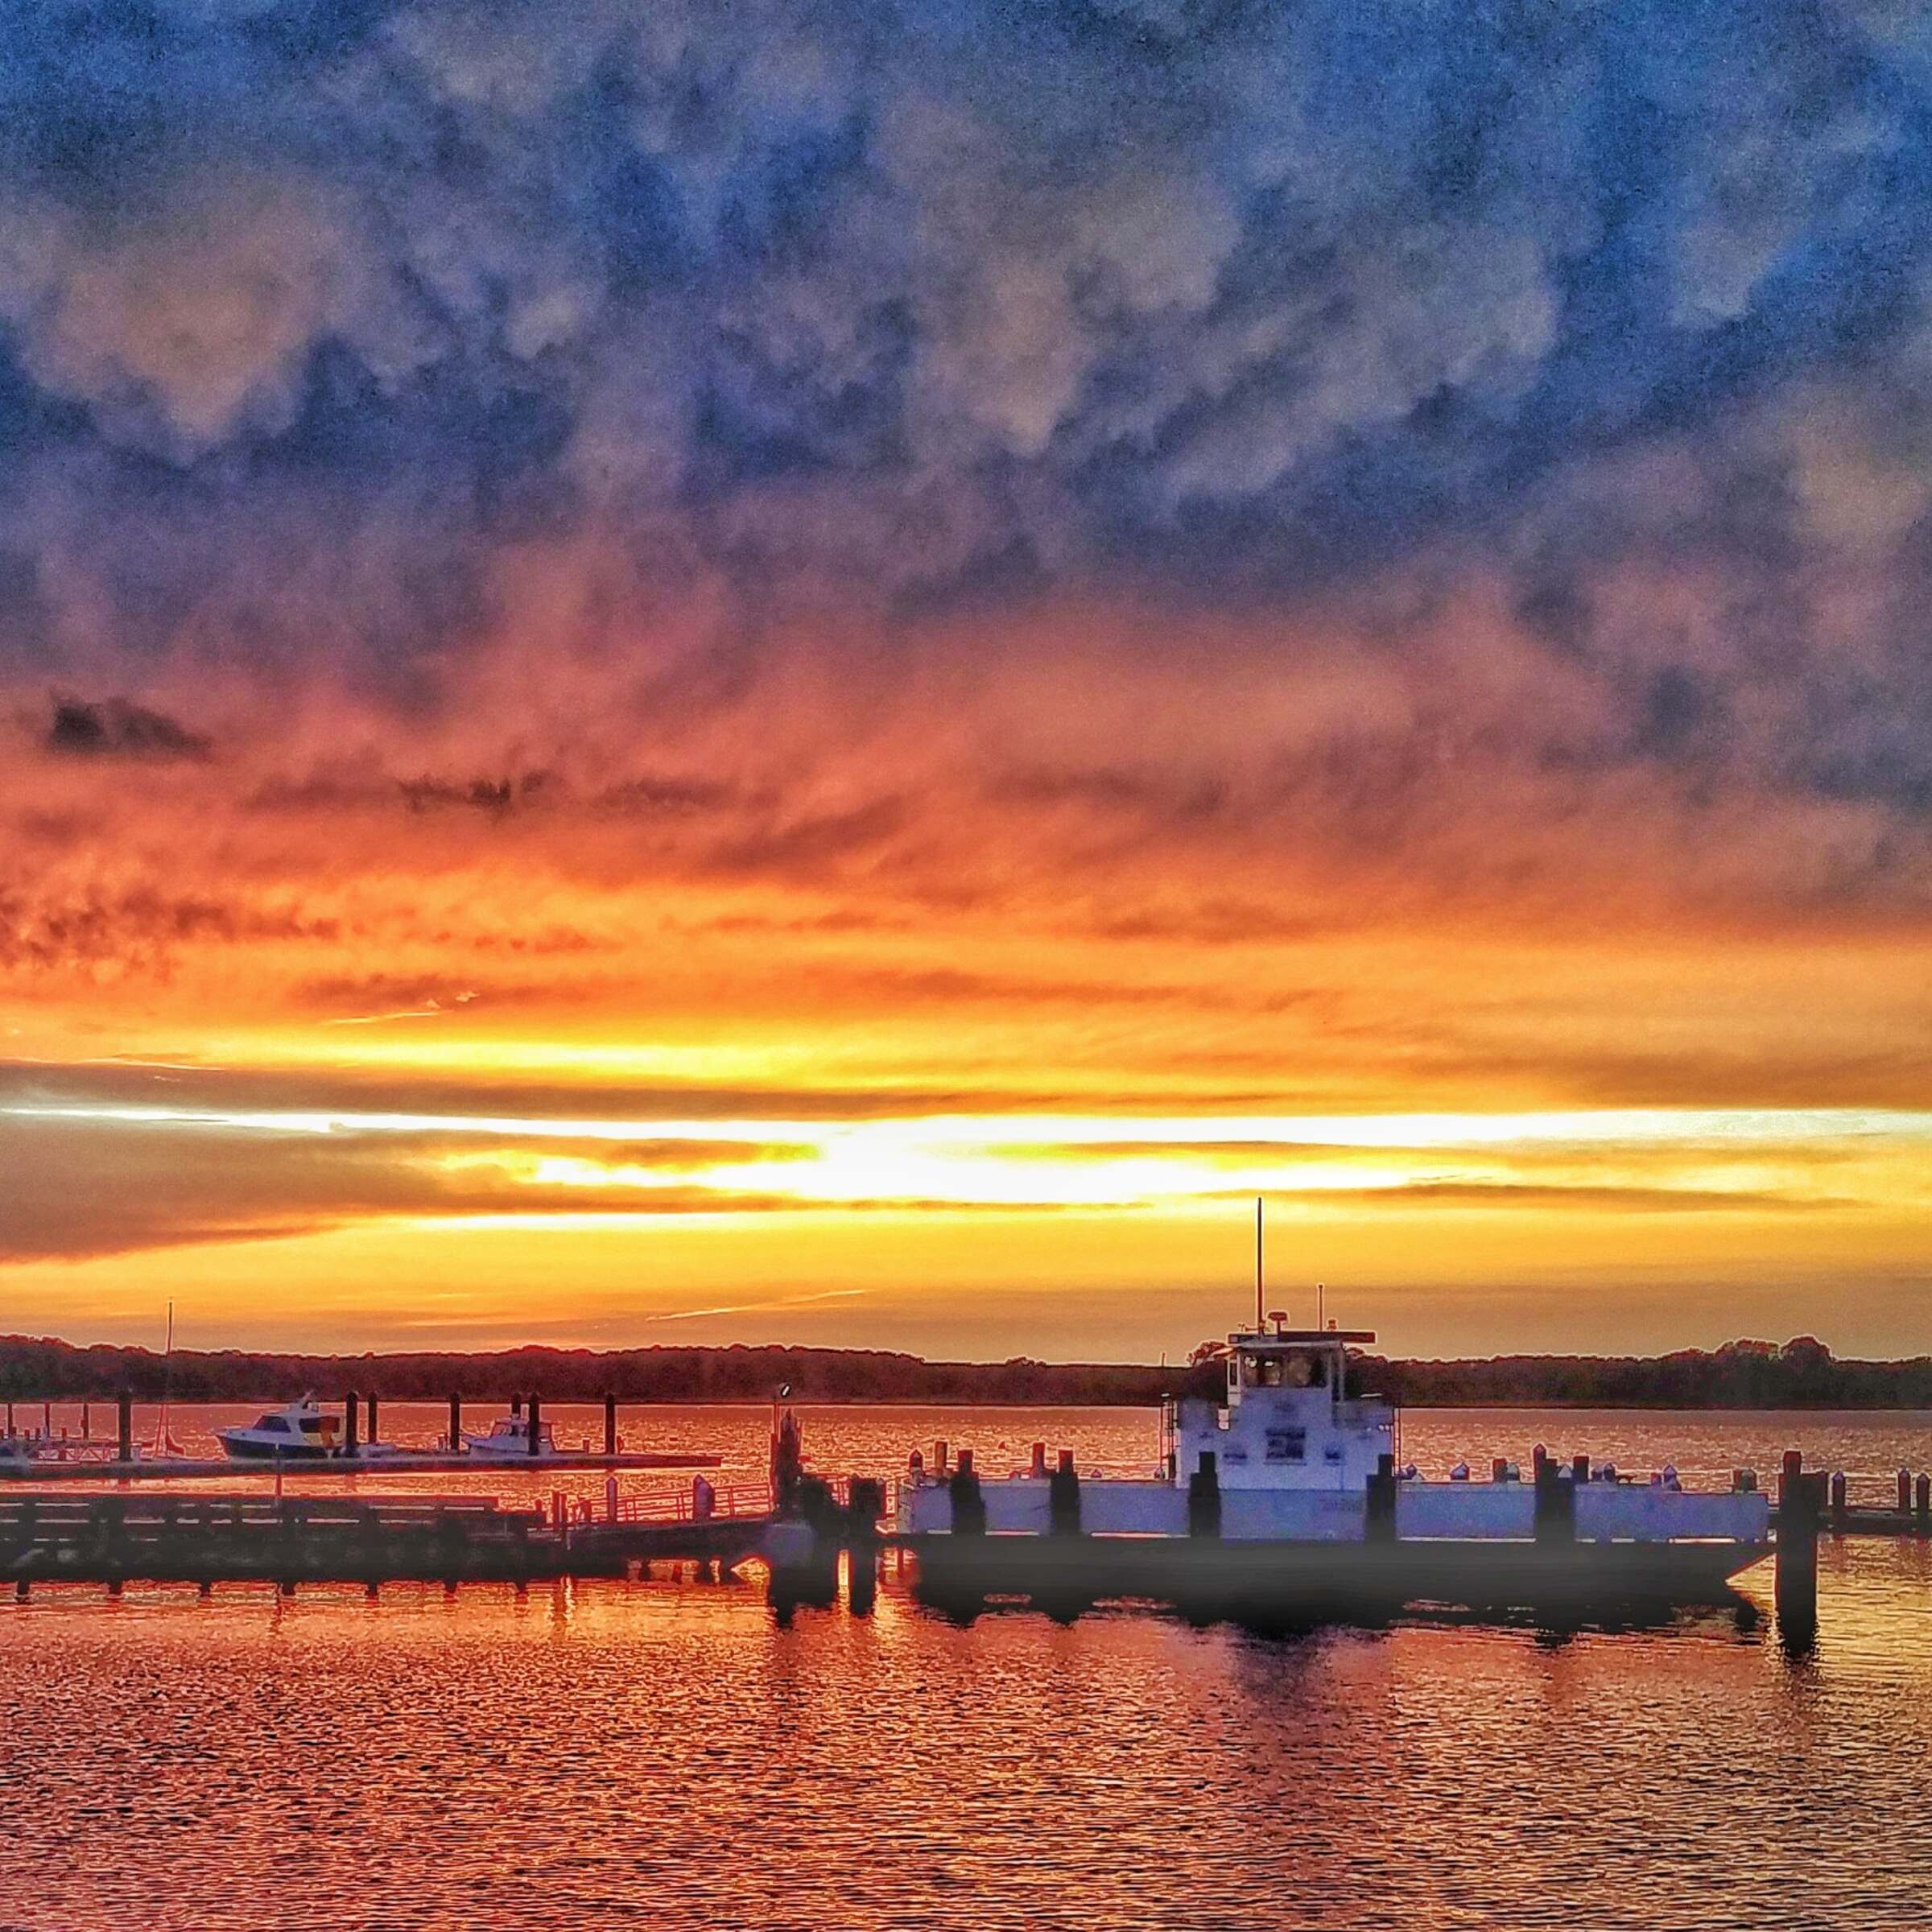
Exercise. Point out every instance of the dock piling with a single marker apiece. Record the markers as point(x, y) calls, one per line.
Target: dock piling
point(535, 1425)
point(1063, 1497)
point(1378, 1523)
point(1039, 1462)
point(456, 1423)
point(1922, 1506)
point(124, 1404)
point(1839, 1507)
point(610, 1424)
point(351, 1403)
point(1799, 1495)
point(1905, 1492)
point(1203, 1496)
point(1555, 1518)
point(968, 1503)
point(372, 1420)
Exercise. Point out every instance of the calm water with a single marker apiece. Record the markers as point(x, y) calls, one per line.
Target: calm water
point(611, 1753)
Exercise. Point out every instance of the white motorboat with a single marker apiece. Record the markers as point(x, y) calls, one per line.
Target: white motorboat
point(510, 1435)
point(298, 1432)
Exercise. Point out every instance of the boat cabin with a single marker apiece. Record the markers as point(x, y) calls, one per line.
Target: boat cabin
point(1288, 1421)
point(299, 1424)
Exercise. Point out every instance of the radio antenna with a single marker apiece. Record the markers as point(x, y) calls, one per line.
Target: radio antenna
point(1261, 1323)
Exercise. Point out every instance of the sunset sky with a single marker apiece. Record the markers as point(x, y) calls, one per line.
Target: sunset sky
point(838, 673)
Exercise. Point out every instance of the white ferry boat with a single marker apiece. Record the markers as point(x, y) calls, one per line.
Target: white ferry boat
point(1289, 1485)
point(299, 1431)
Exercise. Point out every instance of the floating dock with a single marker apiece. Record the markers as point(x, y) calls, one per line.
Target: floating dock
point(44, 1457)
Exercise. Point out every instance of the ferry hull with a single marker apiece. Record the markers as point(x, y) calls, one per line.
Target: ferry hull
point(1329, 1578)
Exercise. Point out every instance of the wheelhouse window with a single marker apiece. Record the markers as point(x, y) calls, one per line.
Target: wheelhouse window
point(273, 1425)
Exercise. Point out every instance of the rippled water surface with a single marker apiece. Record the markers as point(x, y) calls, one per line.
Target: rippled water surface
point(673, 1751)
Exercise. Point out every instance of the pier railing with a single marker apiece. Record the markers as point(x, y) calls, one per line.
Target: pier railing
point(730, 1502)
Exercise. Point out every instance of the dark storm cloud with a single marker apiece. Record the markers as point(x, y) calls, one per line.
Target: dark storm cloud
point(319, 323)
point(112, 727)
point(139, 927)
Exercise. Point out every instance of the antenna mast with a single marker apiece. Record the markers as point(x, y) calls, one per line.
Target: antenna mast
point(1260, 1320)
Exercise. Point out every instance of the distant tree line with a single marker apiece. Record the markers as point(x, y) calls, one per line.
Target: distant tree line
point(48, 1370)
point(1800, 1374)
point(1803, 1373)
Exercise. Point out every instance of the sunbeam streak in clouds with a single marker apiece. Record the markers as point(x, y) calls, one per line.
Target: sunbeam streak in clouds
point(842, 669)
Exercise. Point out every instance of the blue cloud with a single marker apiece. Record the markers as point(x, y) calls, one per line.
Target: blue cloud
point(1215, 303)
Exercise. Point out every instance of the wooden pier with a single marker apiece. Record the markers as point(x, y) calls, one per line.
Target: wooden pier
point(209, 1539)
point(86, 1468)
point(158, 1537)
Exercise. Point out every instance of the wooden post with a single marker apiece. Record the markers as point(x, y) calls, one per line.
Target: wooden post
point(1498, 1468)
point(124, 1422)
point(536, 1424)
point(350, 1405)
point(865, 1506)
point(1922, 1506)
point(1378, 1522)
point(1063, 1497)
point(1798, 1495)
point(1579, 1469)
point(371, 1406)
point(968, 1502)
point(1838, 1508)
point(938, 1457)
point(1039, 1462)
point(1204, 1497)
point(1905, 1492)
point(1555, 1518)
point(456, 1423)
point(610, 1424)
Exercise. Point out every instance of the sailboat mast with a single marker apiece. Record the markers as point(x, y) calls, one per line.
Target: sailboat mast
point(163, 1441)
